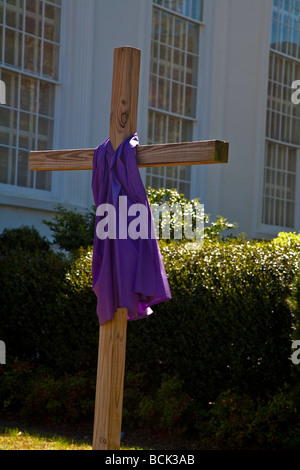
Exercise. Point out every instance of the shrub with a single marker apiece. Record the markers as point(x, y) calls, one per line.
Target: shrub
point(239, 421)
point(25, 238)
point(62, 400)
point(71, 229)
point(229, 318)
point(229, 321)
point(14, 384)
point(30, 282)
point(170, 409)
point(188, 207)
point(45, 319)
point(227, 327)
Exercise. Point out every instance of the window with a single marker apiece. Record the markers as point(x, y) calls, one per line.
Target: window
point(283, 117)
point(280, 185)
point(285, 34)
point(29, 51)
point(173, 83)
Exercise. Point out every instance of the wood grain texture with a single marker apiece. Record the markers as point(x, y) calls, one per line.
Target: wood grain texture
point(110, 383)
point(112, 338)
point(188, 153)
point(125, 92)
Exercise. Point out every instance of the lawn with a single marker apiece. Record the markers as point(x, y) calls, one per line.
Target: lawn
point(15, 439)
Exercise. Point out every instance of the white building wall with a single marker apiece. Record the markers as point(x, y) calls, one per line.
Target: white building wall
point(239, 52)
point(234, 52)
point(91, 29)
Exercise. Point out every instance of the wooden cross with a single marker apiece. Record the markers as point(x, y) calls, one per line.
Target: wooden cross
point(123, 123)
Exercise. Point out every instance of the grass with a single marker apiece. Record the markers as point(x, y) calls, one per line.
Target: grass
point(14, 439)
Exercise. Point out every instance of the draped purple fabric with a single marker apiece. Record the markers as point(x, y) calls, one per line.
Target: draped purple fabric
point(128, 271)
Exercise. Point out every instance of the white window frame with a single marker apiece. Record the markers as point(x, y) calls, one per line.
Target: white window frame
point(13, 190)
point(168, 113)
point(269, 229)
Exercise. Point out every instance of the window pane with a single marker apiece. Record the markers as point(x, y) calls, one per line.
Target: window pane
point(165, 61)
point(34, 6)
point(184, 6)
point(13, 48)
point(46, 104)
point(190, 8)
point(154, 57)
point(27, 131)
point(14, 13)
point(33, 23)
point(150, 126)
point(193, 38)
point(166, 28)
point(32, 54)
point(197, 7)
point(187, 131)
point(180, 34)
point(160, 129)
point(177, 98)
point(184, 188)
point(292, 160)
point(155, 24)
point(281, 158)
point(11, 83)
point(45, 132)
point(50, 60)
point(164, 94)
point(28, 94)
point(1, 11)
point(172, 172)
point(25, 176)
point(8, 127)
point(290, 215)
point(152, 91)
point(1, 42)
point(174, 130)
point(295, 139)
point(157, 182)
point(291, 185)
point(191, 70)
point(190, 101)
point(52, 23)
point(7, 165)
point(185, 173)
point(178, 66)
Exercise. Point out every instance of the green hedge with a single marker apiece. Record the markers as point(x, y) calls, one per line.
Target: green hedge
point(43, 319)
point(228, 324)
point(228, 327)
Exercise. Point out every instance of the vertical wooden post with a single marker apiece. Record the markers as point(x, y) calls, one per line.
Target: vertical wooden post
point(112, 337)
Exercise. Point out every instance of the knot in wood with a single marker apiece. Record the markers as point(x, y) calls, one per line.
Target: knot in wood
point(123, 112)
point(119, 337)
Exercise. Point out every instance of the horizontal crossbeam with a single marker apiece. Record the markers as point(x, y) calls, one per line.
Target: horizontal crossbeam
point(189, 153)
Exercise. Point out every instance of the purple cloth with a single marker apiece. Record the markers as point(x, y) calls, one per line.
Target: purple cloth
point(127, 273)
